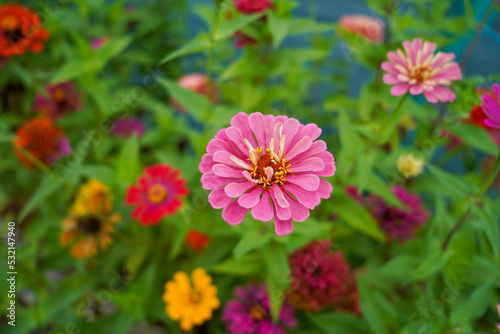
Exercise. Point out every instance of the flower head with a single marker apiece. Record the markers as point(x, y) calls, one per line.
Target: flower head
point(252, 6)
point(159, 193)
point(90, 221)
point(196, 82)
point(99, 42)
point(410, 165)
point(42, 140)
point(127, 126)
point(317, 276)
point(61, 99)
point(250, 313)
point(192, 304)
point(368, 27)
point(20, 29)
point(491, 106)
point(271, 165)
point(420, 71)
point(397, 223)
point(197, 240)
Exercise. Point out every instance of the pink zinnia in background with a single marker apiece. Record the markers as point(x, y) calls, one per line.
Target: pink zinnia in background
point(420, 71)
point(196, 82)
point(252, 6)
point(250, 312)
point(128, 126)
point(318, 276)
point(370, 28)
point(491, 106)
point(396, 223)
point(99, 42)
point(159, 193)
point(271, 165)
point(60, 100)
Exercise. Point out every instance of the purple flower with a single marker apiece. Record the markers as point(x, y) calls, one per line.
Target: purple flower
point(61, 99)
point(491, 106)
point(128, 126)
point(250, 313)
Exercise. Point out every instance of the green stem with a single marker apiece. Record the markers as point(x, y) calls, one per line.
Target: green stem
point(391, 121)
point(210, 60)
point(487, 182)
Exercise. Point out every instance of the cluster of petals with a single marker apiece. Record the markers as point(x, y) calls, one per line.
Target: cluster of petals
point(368, 27)
point(491, 107)
point(271, 165)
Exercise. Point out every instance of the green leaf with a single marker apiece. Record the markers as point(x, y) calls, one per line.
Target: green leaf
point(195, 103)
point(434, 262)
point(475, 137)
point(277, 266)
point(489, 225)
point(128, 165)
point(279, 28)
point(474, 306)
point(391, 121)
point(46, 188)
point(228, 28)
point(355, 215)
point(449, 181)
point(334, 322)
point(250, 264)
point(251, 240)
point(103, 173)
point(371, 311)
point(199, 43)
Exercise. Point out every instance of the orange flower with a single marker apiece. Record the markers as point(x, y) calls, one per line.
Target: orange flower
point(90, 221)
point(42, 139)
point(197, 240)
point(19, 30)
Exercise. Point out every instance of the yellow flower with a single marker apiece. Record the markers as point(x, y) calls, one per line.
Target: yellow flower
point(90, 221)
point(410, 165)
point(94, 197)
point(191, 304)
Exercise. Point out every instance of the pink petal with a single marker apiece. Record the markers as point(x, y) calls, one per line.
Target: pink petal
point(211, 181)
point(263, 210)
point(325, 189)
point(234, 214)
point(234, 190)
point(310, 199)
point(399, 90)
point(250, 199)
point(388, 67)
point(290, 129)
point(283, 227)
point(316, 148)
point(278, 196)
point(206, 163)
point(308, 165)
point(226, 171)
point(218, 198)
point(303, 145)
point(258, 127)
point(299, 212)
point(416, 90)
point(240, 121)
point(236, 138)
point(390, 79)
point(431, 96)
point(308, 182)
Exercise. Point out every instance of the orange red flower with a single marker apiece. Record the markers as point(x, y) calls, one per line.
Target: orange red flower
point(197, 240)
point(20, 30)
point(42, 140)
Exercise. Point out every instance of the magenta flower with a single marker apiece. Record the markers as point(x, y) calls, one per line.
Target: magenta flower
point(317, 275)
point(491, 107)
point(421, 71)
point(271, 165)
point(99, 42)
point(252, 6)
point(61, 100)
point(250, 313)
point(127, 126)
point(396, 223)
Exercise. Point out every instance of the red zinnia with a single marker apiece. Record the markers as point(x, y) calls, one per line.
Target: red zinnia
point(197, 240)
point(252, 6)
point(42, 139)
point(19, 30)
point(159, 193)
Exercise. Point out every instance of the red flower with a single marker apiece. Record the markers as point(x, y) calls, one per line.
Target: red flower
point(252, 6)
point(42, 139)
point(242, 40)
point(19, 30)
point(158, 194)
point(197, 240)
point(198, 83)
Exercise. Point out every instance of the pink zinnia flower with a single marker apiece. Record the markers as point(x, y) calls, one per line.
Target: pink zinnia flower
point(159, 193)
point(370, 28)
point(196, 82)
point(61, 100)
point(317, 274)
point(491, 106)
point(252, 6)
point(128, 126)
point(271, 165)
point(250, 312)
point(419, 70)
point(99, 42)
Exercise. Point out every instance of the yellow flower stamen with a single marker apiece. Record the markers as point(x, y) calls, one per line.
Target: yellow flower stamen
point(157, 193)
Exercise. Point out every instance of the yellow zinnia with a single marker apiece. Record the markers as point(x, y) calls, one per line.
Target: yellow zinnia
point(191, 304)
point(410, 165)
point(93, 197)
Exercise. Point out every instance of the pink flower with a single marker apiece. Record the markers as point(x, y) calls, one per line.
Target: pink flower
point(491, 106)
point(99, 42)
point(196, 82)
point(421, 71)
point(271, 165)
point(252, 6)
point(127, 126)
point(62, 99)
point(370, 28)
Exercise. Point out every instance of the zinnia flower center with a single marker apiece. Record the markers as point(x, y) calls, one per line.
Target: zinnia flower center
point(257, 313)
point(157, 193)
point(421, 73)
point(58, 95)
point(195, 297)
point(89, 224)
